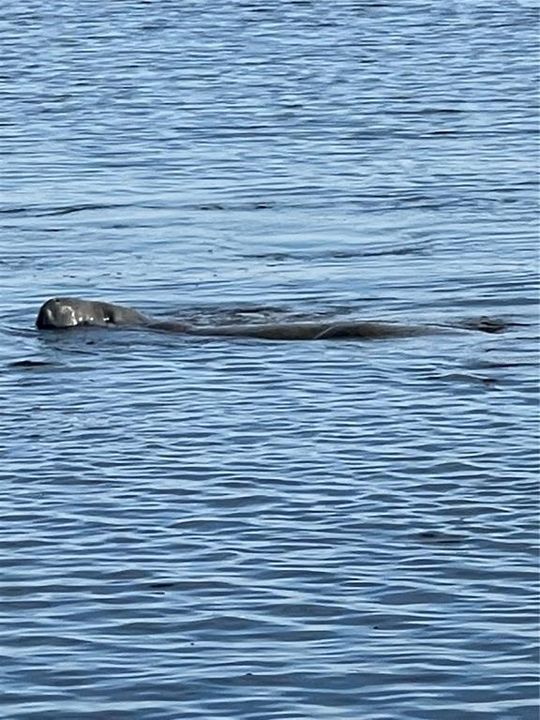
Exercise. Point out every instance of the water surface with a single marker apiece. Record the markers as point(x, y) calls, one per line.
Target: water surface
point(246, 530)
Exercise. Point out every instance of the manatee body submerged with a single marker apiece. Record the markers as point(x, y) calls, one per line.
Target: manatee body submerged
point(68, 312)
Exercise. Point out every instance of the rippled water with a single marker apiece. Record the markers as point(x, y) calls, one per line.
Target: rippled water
point(251, 530)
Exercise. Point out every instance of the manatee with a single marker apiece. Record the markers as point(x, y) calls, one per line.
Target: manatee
point(69, 312)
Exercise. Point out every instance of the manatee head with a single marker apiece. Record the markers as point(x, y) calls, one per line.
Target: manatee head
point(66, 312)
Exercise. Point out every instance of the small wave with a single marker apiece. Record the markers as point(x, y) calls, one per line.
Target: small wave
point(60, 210)
point(337, 254)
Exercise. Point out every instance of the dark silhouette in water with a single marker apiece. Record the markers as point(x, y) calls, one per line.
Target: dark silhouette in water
point(67, 312)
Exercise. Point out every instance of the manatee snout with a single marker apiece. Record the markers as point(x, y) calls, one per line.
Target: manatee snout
point(66, 312)
point(56, 313)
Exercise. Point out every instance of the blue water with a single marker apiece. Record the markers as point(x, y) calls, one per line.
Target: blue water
point(253, 530)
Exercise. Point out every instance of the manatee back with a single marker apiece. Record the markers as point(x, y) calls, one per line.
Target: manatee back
point(121, 315)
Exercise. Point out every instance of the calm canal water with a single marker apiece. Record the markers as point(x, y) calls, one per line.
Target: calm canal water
point(248, 530)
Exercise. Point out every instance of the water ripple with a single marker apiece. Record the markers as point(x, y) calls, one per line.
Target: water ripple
point(235, 529)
